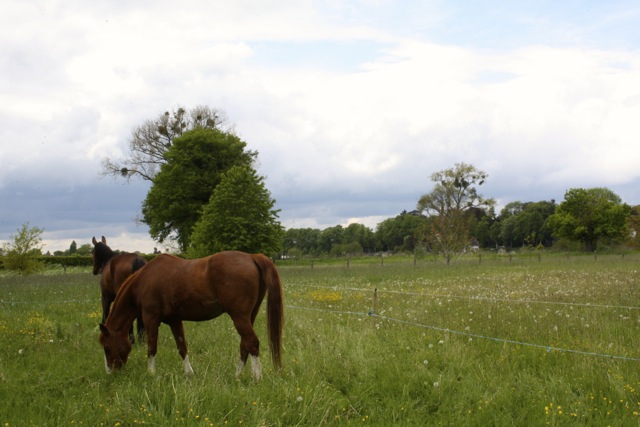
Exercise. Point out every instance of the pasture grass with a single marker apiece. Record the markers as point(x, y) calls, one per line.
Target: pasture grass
point(520, 342)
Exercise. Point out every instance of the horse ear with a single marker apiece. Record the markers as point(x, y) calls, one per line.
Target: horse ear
point(104, 240)
point(104, 329)
point(95, 242)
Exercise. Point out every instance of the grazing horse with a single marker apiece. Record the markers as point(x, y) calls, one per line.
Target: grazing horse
point(115, 268)
point(171, 289)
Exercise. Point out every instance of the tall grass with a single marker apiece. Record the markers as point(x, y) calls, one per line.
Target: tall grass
point(497, 342)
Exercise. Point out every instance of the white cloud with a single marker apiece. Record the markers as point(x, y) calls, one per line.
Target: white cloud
point(352, 106)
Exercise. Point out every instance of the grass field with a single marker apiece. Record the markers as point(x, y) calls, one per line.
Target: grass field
point(522, 342)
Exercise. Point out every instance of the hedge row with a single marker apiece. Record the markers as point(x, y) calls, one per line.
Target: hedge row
point(70, 261)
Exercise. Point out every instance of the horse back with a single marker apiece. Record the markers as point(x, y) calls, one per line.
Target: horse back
point(118, 269)
point(199, 289)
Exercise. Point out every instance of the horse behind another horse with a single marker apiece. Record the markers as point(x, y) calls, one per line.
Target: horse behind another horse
point(114, 269)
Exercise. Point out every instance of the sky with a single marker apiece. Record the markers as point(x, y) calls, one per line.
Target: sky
point(352, 105)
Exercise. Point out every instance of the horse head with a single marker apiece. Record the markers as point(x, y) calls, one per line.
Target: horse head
point(100, 254)
point(116, 348)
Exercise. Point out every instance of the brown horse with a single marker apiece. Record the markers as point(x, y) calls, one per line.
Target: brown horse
point(115, 268)
point(170, 289)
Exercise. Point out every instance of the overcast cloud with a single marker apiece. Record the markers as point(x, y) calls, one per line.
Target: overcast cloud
point(352, 105)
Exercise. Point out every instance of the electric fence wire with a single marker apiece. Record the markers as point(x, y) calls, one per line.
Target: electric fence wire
point(435, 328)
point(478, 298)
point(469, 334)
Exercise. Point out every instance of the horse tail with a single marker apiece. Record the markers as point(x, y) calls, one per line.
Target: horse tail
point(275, 311)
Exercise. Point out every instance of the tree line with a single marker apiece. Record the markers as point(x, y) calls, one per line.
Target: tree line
point(518, 225)
point(454, 217)
point(207, 197)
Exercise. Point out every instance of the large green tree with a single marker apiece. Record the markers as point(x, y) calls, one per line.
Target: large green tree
point(590, 215)
point(24, 249)
point(151, 141)
point(239, 216)
point(194, 166)
point(451, 207)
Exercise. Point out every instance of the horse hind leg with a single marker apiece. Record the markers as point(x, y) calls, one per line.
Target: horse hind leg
point(249, 345)
point(256, 367)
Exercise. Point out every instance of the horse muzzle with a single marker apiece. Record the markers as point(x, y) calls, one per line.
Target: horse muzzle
point(116, 365)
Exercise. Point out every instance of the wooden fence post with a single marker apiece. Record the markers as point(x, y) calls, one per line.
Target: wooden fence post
point(374, 306)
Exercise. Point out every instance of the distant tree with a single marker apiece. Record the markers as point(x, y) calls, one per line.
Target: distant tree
point(303, 239)
point(589, 215)
point(330, 236)
point(482, 231)
point(73, 247)
point(195, 164)
point(151, 141)
point(85, 249)
point(446, 237)
point(351, 248)
point(23, 250)
point(400, 233)
point(633, 224)
point(509, 224)
point(294, 253)
point(239, 216)
point(360, 234)
point(451, 206)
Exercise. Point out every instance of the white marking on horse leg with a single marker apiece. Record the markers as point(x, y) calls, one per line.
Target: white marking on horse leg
point(151, 364)
point(239, 368)
point(106, 365)
point(188, 370)
point(256, 367)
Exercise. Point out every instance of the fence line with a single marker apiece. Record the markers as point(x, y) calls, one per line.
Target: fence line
point(469, 334)
point(522, 301)
point(519, 301)
point(548, 348)
point(49, 302)
point(335, 288)
point(431, 327)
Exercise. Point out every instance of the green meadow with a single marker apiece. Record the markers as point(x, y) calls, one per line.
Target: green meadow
point(521, 341)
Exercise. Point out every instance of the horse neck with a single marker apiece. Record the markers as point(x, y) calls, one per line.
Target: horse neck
point(105, 256)
point(124, 310)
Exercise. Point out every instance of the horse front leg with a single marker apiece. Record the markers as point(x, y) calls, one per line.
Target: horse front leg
point(132, 336)
point(106, 305)
point(152, 344)
point(178, 334)
point(140, 328)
